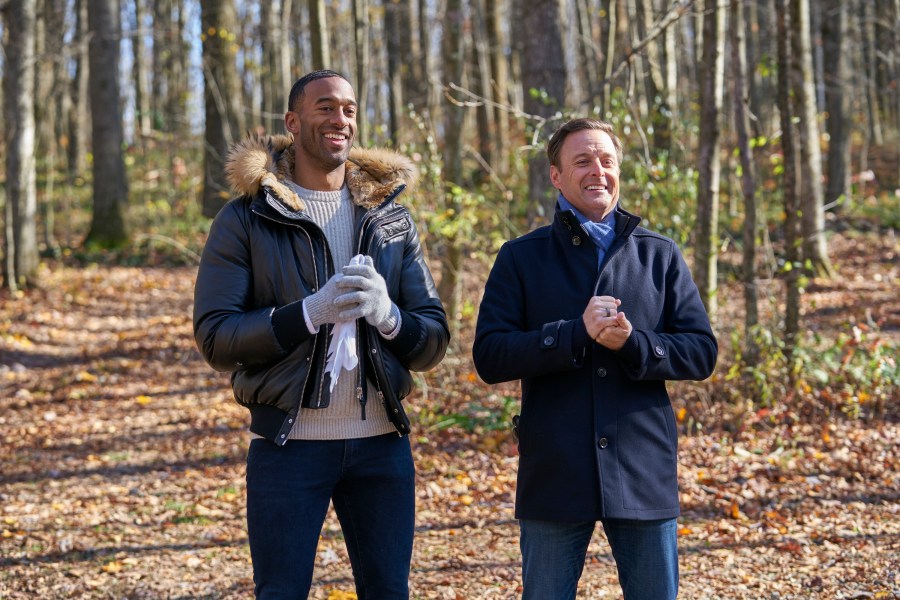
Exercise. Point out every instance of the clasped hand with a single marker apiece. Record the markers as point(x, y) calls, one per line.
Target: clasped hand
point(605, 324)
point(362, 293)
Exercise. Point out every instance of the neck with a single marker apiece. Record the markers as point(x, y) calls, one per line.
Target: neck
point(320, 182)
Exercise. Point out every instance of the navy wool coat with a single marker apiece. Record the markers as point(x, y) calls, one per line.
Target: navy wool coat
point(597, 435)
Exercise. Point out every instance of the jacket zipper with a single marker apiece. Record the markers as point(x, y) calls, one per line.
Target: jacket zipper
point(318, 285)
point(368, 222)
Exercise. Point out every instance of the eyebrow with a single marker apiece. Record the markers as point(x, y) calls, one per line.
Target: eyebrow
point(334, 99)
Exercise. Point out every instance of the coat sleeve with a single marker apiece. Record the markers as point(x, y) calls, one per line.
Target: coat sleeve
point(230, 333)
point(505, 348)
point(684, 346)
point(424, 334)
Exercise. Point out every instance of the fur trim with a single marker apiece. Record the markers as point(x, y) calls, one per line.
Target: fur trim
point(371, 174)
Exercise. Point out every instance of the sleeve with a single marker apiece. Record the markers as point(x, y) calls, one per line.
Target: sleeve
point(684, 347)
point(505, 349)
point(423, 335)
point(230, 333)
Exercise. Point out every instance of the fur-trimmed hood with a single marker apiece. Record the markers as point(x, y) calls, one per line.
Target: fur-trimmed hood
point(372, 174)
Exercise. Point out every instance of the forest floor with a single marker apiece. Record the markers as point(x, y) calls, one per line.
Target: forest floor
point(123, 454)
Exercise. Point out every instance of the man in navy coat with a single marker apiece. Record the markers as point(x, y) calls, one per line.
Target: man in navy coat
point(594, 314)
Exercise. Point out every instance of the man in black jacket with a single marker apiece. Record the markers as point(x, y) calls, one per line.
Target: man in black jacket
point(313, 292)
point(593, 314)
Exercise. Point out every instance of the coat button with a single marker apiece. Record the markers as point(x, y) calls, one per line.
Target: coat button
point(601, 372)
point(548, 340)
point(576, 240)
point(660, 351)
point(602, 443)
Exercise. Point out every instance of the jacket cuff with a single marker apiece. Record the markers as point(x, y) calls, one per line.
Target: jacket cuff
point(289, 325)
point(630, 352)
point(581, 339)
point(407, 338)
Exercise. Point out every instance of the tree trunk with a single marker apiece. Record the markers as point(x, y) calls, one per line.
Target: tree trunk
point(394, 31)
point(834, 26)
point(361, 40)
point(544, 85)
point(80, 120)
point(21, 258)
point(318, 32)
point(453, 50)
point(481, 85)
point(815, 250)
point(494, 11)
point(271, 84)
point(110, 182)
point(141, 72)
point(748, 182)
point(221, 94)
point(709, 169)
point(792, 241)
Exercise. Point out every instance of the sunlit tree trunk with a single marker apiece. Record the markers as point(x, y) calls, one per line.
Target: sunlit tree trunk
point(50, 75)
point(110, 183)
point(834, 25)
point(361, 40)
point(544, 89)
point(740, 102)
point(21, 252)
point(494, 13)
point(481, 85)
point(318, 33)
point(792, 241)
point(395, 32)
point(141, 71)
point(221, 93)
point(815, 249)
point(80, 121)
point(709, 169)
point(453, 51)
point(272, 87)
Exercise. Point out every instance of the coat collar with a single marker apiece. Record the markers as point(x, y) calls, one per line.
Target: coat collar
point(372, 174)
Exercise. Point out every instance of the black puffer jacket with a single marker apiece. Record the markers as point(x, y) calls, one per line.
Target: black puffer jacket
point(264, 256)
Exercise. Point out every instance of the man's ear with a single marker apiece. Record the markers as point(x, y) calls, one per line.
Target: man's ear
point(554, 176)
point(292, 122)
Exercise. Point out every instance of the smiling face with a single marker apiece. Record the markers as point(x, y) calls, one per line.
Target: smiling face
point(324, 126)
point(588, 173)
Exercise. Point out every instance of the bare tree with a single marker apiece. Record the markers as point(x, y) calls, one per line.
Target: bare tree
point(815, 249)
point(711, 91)
point(270, 81)
point(792, 240)
point(361, 40)
point(222, 97)
point(494, 11)
point(110, 183)
point(740, 100)
point(544, 83)
point(318, 29)
point(80, 120)
point(834, 33)
point(141, 71)
point(21, 252)
point(453, 51)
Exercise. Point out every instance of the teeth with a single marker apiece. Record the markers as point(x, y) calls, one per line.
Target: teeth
point(334, 136)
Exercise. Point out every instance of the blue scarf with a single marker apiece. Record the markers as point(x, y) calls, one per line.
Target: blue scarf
point(602, 233)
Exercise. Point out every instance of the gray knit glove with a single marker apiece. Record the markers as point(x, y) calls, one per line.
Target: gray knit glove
point(366, 296)
point(321, 306)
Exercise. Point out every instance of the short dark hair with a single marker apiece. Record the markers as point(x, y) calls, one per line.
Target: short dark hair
point(554, 146)
point(297, 89)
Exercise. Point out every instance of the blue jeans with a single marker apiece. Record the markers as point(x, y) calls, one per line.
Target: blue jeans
point(371, 482)
point(553, 555)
